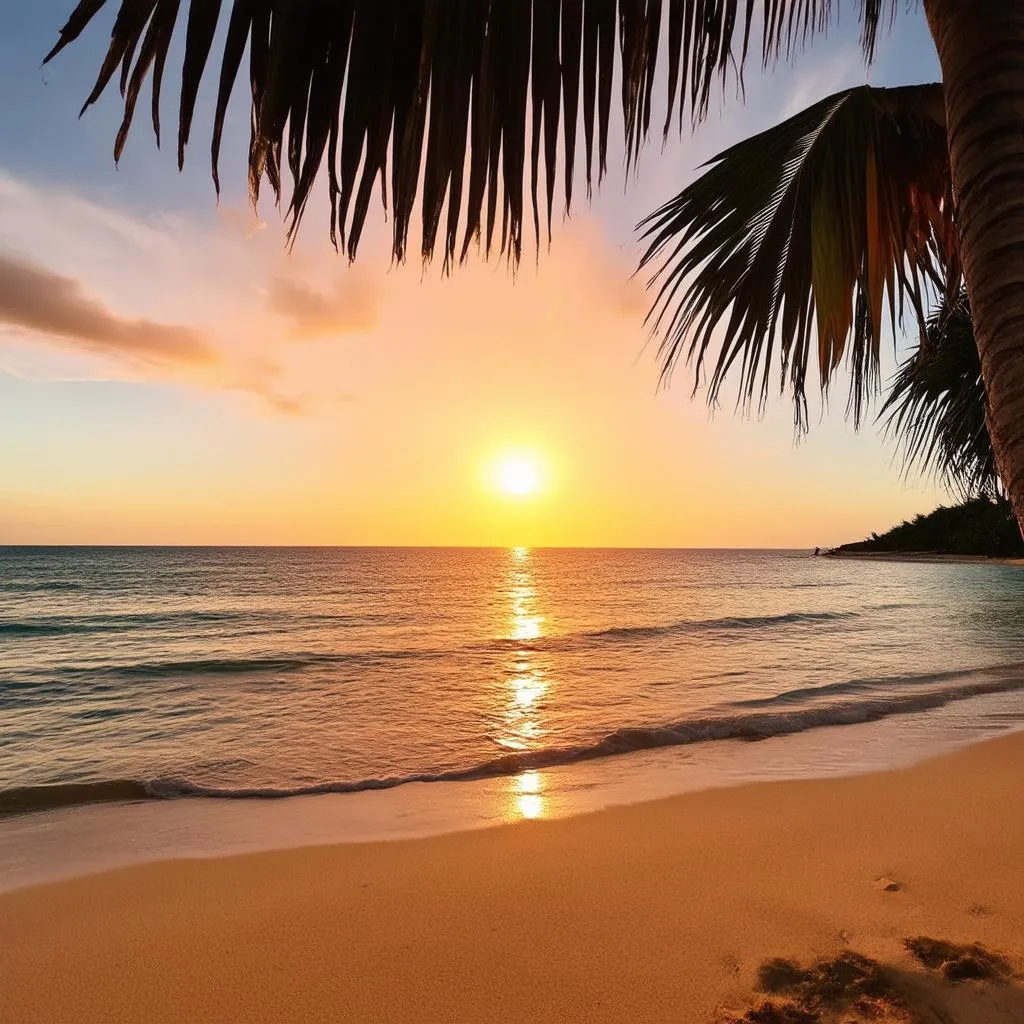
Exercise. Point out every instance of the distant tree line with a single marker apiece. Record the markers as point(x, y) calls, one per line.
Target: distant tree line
point(978, 526)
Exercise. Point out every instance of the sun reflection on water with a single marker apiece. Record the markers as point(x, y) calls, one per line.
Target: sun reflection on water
point(526, 682)
point(529, 794)
point(526, 623)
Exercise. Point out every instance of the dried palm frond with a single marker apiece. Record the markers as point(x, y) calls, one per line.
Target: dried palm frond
point(936, 406)
point(798, 236)
point(442, 87)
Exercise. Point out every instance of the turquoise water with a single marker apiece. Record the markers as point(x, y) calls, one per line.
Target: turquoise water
point(135, 673)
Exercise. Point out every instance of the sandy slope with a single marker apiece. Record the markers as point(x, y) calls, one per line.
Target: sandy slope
point(659, 912)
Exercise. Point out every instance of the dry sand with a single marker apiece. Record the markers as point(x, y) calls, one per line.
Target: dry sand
point(658, 912)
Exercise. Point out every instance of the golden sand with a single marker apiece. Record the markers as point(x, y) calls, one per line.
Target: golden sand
point(659, 912)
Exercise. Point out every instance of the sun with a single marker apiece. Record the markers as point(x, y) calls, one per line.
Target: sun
point(518, 476)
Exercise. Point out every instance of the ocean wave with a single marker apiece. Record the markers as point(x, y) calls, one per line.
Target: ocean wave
point(63, 625)
point(23, 799)
point(784, 714)
point(874, 684)
point(60, 625)
point(737, 622)
point(236, 666)
point(31, 586)
point(613, 634)
point(230, 666)
point(829, 583)
point(29, 629)
point(298, 661)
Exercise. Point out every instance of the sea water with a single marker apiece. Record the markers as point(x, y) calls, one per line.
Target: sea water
point(555, 680)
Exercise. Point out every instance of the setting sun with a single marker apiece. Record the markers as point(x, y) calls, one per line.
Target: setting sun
point(518, 476)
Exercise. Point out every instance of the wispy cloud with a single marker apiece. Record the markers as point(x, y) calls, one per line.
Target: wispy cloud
point(90, 291)
point(351, 306)
point(37, 299)
point(173, 299)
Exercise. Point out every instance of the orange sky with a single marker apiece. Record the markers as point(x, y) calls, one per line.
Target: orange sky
point(170, 374)
point(319, 403)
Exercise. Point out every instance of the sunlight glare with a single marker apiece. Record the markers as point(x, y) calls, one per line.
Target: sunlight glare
point(518, 476)
point(531, 807)
point(529, 795)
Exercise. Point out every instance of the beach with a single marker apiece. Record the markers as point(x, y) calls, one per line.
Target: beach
point(387, 645)
point(921, 557)
point(661, 911)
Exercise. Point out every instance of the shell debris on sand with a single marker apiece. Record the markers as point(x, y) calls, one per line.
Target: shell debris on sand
point(886, 884)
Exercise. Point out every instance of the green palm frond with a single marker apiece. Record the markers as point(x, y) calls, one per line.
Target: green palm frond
point(420, 81)
point(798, 238)
point(936, 406)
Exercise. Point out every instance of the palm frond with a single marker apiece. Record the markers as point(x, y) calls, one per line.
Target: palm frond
point(357, 81)
point(797, 238)
point(935, 409)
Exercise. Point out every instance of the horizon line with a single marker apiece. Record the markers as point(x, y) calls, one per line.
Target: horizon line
point(406, 547)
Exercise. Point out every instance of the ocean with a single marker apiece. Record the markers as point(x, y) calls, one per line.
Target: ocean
point(147, 675)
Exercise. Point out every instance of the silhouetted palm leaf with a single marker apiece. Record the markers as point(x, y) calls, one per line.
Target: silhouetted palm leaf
point(799, 235)
point(936, 406)
point(422, 80)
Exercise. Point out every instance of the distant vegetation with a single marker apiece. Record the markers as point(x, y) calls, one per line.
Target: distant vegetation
point(979, 526)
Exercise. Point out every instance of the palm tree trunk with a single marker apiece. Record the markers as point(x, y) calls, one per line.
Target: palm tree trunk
point(981, 51)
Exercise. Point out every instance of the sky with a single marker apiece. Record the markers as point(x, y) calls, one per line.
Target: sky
point(171, 374)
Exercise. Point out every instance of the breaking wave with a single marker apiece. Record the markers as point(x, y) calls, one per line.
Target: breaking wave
point(842, 703)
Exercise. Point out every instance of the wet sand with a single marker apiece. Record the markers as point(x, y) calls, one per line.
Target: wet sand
point(921, 556)
point(658, 912)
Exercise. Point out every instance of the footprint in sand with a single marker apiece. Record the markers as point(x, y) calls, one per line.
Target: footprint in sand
point(887, 884)
point(731, 963)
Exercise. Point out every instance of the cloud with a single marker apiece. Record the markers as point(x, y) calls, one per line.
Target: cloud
point(56, 307)
point(37, 299)
point(101, 292)
point(352, 306)
point(93, 291)
point(284, 404)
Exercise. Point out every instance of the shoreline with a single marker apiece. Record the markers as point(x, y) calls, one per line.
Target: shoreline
point(924, 693)
point(660, 911)
point(925, 557)
point(77, 841)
